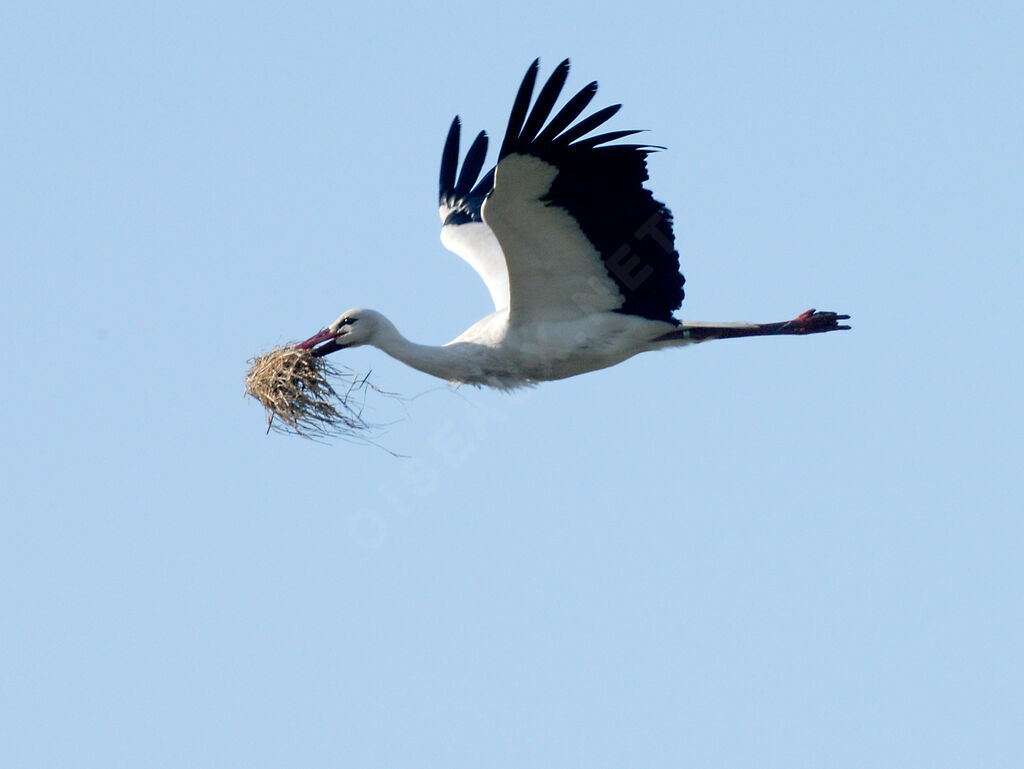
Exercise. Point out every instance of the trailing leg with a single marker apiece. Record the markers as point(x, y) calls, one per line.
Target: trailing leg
point(810, 322)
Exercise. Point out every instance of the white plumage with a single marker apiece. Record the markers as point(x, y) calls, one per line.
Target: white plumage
point(577, 255)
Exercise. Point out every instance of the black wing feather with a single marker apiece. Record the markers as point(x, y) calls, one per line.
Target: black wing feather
point(572, 110)
point(601, 186)
point(484, 186)
point(465, 197)
point(593, 141)
point(519, 108)
point(472, 164)
point(545, 102)
point(587, 125)
point(450, 159)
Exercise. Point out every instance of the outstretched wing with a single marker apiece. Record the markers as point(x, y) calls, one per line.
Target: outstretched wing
point(463, 230)
point(578, 231)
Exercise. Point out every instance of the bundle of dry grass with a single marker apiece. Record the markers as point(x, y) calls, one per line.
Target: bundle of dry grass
point(295, 388)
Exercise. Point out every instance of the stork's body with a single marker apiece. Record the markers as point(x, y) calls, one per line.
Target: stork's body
point(499, 354)
point(578, 256)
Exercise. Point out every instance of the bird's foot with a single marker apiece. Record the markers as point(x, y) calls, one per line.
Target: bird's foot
point(814, 322)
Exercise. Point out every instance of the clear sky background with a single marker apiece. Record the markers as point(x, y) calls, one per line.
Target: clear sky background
point(796, 552)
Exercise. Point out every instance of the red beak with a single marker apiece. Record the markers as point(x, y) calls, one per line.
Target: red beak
point(325, 340)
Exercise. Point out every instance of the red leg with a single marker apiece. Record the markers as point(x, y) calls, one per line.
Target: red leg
point(810, 322)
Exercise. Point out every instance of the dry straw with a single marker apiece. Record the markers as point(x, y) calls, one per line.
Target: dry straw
point(295, 389)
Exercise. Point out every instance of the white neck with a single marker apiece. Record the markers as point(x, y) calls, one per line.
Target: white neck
point(447, 362)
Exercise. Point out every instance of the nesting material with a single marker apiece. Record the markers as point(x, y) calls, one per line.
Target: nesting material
point(296, 390)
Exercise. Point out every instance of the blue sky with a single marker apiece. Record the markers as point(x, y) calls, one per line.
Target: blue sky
point(772, 552)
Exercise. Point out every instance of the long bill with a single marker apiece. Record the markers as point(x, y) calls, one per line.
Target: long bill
point(321, 343)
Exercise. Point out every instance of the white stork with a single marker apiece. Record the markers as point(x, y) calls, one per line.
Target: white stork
point(577, 255)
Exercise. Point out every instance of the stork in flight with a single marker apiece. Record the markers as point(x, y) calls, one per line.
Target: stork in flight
point(578, 256)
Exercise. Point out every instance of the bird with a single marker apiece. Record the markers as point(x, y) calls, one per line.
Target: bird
point(577, 255)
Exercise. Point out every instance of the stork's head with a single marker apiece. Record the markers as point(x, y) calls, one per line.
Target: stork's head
point(352, 329)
